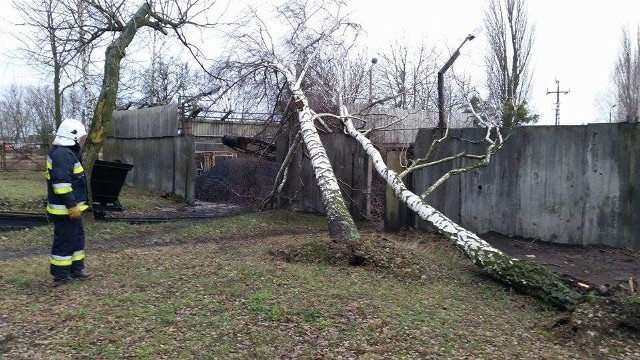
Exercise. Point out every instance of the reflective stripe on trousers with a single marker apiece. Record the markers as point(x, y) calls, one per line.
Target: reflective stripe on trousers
point(67, 251)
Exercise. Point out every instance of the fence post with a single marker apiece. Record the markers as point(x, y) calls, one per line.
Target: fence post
point(397, 215)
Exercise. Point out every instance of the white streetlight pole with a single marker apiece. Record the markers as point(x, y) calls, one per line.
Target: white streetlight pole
point(373, 62)
point(610, 109)
point(454, 56)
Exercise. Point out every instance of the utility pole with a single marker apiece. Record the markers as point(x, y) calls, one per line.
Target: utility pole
point(558, 92)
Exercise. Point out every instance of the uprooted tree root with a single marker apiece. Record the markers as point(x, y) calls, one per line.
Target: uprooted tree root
point(317, 251)
point(376, 252)
point(599, 318)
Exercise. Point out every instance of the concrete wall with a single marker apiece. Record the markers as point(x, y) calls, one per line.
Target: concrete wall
point(567, 184)
point(148, 139)
point(400, 126)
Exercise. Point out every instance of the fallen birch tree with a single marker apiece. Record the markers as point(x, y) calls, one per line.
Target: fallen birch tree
point(293, 64)
point(523, 275)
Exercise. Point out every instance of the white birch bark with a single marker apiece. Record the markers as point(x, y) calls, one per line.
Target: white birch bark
point(524, 275)
point(341, 225)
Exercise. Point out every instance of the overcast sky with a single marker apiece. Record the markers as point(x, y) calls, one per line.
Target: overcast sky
point(576, 43)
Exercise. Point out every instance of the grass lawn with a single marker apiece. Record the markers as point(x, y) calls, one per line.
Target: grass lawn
point(227, 288)
point(22, 190)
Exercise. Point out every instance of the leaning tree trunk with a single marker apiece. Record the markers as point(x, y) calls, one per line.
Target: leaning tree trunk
point(523, 275)
point(341, 225)
point(107, 100)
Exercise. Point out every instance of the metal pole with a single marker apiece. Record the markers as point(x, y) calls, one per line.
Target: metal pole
point(610, 109)
point(454, 56)
point(373, 62)
point(370, 83)
point(441, 123)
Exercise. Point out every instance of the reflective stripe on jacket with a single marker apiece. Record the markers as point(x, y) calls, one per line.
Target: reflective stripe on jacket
point(66, 181)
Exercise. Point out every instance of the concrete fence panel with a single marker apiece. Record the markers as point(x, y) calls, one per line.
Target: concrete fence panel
point(567, 184)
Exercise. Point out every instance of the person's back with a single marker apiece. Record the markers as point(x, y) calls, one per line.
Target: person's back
point(67, 197)
point(67, 173)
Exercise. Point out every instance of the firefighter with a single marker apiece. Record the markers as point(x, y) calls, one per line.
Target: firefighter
point(67, 197)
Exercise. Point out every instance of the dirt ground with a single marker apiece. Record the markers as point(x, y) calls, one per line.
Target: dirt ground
point(592, 265)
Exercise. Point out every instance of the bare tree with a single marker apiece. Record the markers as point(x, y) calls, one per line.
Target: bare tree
point(626, 77)
point(51, 42)
point(510, 37)
point(75, 103)
point(359, 79)
point(85, 61)
point(27, 114)
point(162, 16)
point(40, 110)
point(287, 64)
point(409, 76)
point(13, 112)
point(161, 82)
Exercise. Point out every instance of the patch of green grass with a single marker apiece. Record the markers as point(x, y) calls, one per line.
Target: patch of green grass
point(22, 191)
point(200, 300)
point(213, 289)
point(18, 280)
point(252, 224)
point(32, 238)
point(119, 234)
point(143, 200)
point(311, 315)
point(630, 299)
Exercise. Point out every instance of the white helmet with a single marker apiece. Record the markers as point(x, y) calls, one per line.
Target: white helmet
point(69, 132)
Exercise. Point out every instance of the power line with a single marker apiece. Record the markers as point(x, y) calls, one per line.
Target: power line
point(558, 92)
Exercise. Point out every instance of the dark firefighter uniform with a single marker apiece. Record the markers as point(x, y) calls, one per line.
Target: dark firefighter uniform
point(66, 189)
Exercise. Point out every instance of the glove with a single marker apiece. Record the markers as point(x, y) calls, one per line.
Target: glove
point(75, 213)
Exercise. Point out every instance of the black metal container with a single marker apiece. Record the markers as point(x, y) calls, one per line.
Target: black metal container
point(107, 179)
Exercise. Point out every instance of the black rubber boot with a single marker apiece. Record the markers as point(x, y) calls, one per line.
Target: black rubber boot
point(61, 280)
point(82, 274)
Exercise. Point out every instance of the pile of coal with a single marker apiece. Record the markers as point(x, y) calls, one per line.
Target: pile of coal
point(241, 181)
